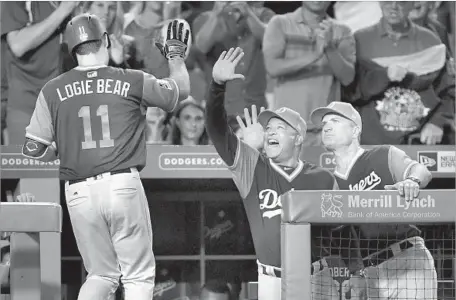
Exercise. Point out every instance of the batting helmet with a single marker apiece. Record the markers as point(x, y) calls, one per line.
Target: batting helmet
point(82, 29)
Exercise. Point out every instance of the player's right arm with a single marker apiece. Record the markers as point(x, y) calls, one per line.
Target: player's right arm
point(240, 158)
point(39, 135)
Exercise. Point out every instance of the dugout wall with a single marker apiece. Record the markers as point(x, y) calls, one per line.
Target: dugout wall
point(182, 179)
point(302, 209)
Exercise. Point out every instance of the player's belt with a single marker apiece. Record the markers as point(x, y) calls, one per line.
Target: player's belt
point(122, 171)
point(270, 271)
point(384, 255)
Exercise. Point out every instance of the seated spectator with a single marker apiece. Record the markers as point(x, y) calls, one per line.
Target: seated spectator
point(188, 124)
point(111, 15)
point(215, 290)
point(403, 84)
point(32, 30)
point(231, 24)
point(310, 55)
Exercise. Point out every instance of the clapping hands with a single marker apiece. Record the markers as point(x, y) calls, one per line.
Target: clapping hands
point(328, 34)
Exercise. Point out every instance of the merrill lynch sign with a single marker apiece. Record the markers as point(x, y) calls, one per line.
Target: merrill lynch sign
point(369, 206)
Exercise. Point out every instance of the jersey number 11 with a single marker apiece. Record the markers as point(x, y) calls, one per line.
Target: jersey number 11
point(102, 112)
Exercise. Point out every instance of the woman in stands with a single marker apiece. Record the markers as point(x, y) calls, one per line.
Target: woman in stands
point(188, 125)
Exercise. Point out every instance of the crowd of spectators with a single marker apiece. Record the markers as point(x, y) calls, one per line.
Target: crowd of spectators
point(392, 60)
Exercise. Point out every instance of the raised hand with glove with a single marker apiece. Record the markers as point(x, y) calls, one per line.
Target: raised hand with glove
point(176, 40)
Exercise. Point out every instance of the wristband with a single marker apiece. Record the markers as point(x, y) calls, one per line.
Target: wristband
point(412, 178)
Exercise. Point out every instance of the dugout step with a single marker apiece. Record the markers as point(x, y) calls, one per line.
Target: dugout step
point(30, 217)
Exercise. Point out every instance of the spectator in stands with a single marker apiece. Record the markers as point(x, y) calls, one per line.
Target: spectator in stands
point(231, 24)
point(188, 124)
point(156, 129)
point(144, 29)
point(445, 15)
point(132, 9)
point(357, 14)
point(33, 32)
point(422, 15)
point(310, 55)
point(4, 89)
point(404, 87)
point(111, 14)
point(215, 290)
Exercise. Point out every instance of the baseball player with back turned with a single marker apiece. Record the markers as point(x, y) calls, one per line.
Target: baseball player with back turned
point(396, 265)
point(262, 179)
point(94, 115)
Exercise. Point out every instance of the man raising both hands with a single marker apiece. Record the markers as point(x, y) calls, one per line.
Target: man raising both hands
point(262, 179)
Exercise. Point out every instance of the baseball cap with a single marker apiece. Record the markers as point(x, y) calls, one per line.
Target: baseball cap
point(343, 109)
point(288, 115)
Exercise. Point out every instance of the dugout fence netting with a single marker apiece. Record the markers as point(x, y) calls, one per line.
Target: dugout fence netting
point(383, 261)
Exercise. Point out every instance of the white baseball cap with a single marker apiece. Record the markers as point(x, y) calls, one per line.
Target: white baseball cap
point(288, 115)
point(343, 109)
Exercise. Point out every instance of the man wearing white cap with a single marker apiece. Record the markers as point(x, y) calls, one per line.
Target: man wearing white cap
point(264, 165)
point(397, 264)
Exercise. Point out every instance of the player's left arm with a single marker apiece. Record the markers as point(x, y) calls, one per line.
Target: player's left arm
point(408, 174)
point(39, 134)
point(166, 93)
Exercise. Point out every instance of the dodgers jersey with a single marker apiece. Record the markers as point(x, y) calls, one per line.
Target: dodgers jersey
point(372, 170)
point(96, 117)
point(261, 183)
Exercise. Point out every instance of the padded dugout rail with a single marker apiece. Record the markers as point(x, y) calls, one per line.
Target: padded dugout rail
point(30, 217)
point(303, 208)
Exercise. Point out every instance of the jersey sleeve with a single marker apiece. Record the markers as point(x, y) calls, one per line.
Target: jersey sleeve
point(162, 93)
point(243, 168)
point(399, 163)
point(40, 128)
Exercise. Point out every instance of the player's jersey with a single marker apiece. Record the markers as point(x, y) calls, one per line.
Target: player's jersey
point(372, 170)
point(261, 183)
point(96, 116)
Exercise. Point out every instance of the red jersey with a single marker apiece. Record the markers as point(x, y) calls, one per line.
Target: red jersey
point(96, 117)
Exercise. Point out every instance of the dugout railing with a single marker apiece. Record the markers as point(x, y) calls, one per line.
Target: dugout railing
point(25, 222)
point(304, 209)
